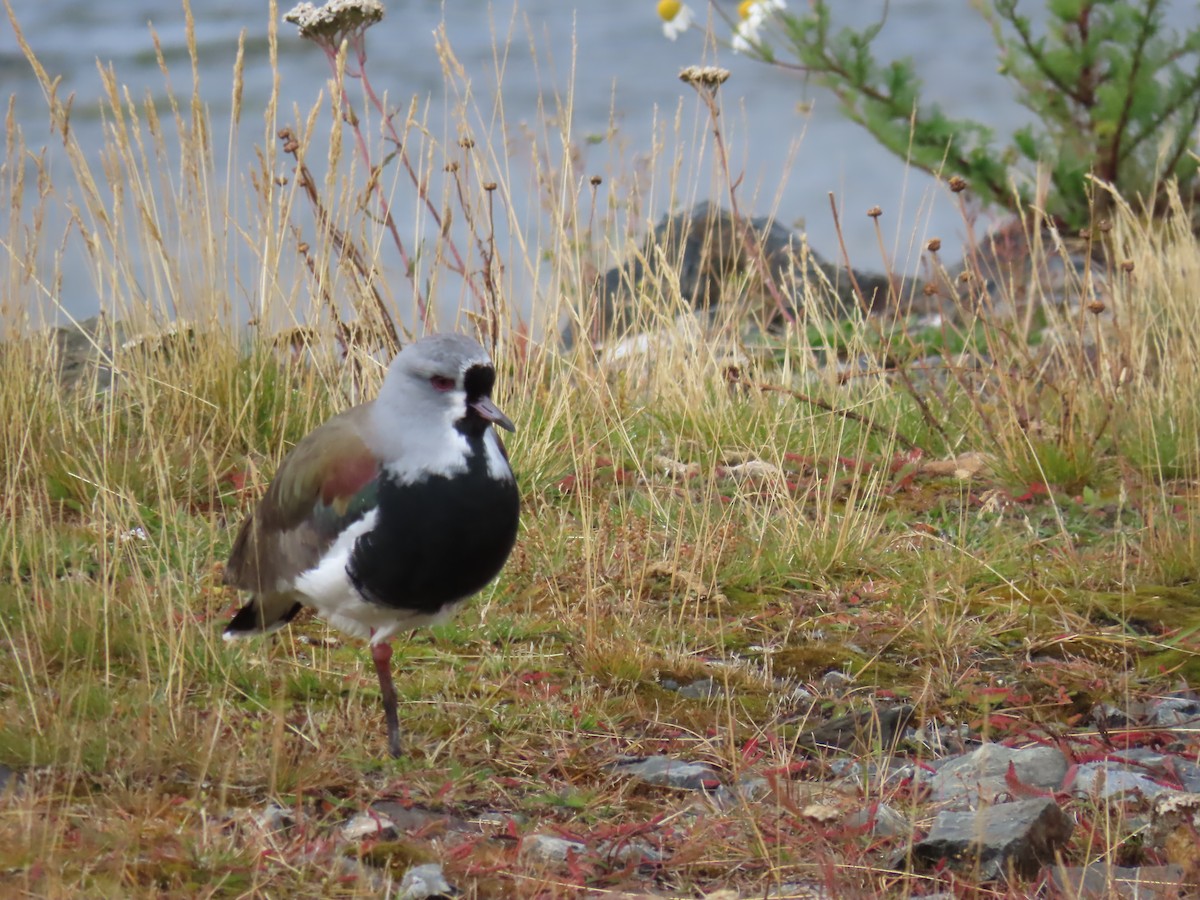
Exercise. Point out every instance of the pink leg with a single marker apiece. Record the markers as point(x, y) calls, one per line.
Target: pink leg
point(381, 655)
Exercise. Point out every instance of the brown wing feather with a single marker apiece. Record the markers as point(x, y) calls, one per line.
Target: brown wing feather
point(327, 478)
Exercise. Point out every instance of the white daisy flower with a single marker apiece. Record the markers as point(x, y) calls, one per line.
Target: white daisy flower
point(752, 15)
point(676, 17)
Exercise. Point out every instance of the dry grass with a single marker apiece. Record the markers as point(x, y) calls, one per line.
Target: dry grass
point(761, 531)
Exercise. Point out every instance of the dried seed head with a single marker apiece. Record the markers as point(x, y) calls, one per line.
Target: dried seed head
point(302, 247)
point(489, 185)
point(283, 133)
point(336, 19)
point(964, 277)
point(281, 180)
point(1105, 226)
point(934, 245)
point(596, 181)
point(466, 143)
point(930, 289)
point(874, 212)
point(451, 166)
point(1127, 265)
point(1096, 307)
point(710, 77)
point(958, 184)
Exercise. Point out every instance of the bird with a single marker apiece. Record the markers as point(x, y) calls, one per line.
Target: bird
point(388, 516)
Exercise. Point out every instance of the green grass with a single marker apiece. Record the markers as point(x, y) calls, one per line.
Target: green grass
point(928, 533)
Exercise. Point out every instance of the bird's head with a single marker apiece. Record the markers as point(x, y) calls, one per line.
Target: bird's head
point(445, 378)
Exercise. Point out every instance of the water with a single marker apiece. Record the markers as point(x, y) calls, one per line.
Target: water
point(792, 159)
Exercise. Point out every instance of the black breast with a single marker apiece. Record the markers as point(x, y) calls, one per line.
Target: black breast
point(438, 540)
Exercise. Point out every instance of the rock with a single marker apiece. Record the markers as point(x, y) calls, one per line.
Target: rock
point(886, 773)
point(748, 789)
point(1018, 837)
point(635, 850)
point(274, 818)
point(668, 772)
point(836, 682)
point(547, 848)
point(701, 690)
point(800, 890)
point(708, 251)
point(880, 820)
point(87, 350)
point(423, 882)
point(1174, 712)
point(1100, 881)
point(981, 776)
point(370, 824)
point(1168, 766)
point(1112, 779)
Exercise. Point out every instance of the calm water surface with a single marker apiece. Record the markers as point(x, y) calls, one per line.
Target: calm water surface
point(624, 69)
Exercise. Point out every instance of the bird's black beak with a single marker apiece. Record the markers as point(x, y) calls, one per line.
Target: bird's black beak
point(491, 412)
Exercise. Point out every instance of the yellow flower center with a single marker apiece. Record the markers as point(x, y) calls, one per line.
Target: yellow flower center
point(669, 9)
point(743, 8)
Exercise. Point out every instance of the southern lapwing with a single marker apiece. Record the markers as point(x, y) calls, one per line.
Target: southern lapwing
point(389, 515)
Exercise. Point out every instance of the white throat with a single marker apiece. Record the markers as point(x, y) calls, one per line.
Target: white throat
point(416, 440)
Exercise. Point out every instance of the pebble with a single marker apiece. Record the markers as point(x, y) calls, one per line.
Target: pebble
point(1100, 880)
point(1175, 712)
point(981, 776)
point(424, 882)
point(882, 821)
point(547, 848)
point(669, 772)
point(370, 824)
point(1107, 780)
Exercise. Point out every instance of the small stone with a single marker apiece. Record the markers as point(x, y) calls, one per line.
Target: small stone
point(700, 690)
point(424, 882)
point(547, 848)
point(881, 821)
point(636, 850)
point(1019, 836)
point(981, 776)
point(748, 789)
point(836, 681)
point(848, 768)
point(274, 818)
point(800, 890)
point(668, 772)
point(370, 825)
point(1100, 880)
point(1108, 779)
point(1167, 766)
point(1174, 712)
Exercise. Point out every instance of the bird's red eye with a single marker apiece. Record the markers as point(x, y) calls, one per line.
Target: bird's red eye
point(441, 383)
